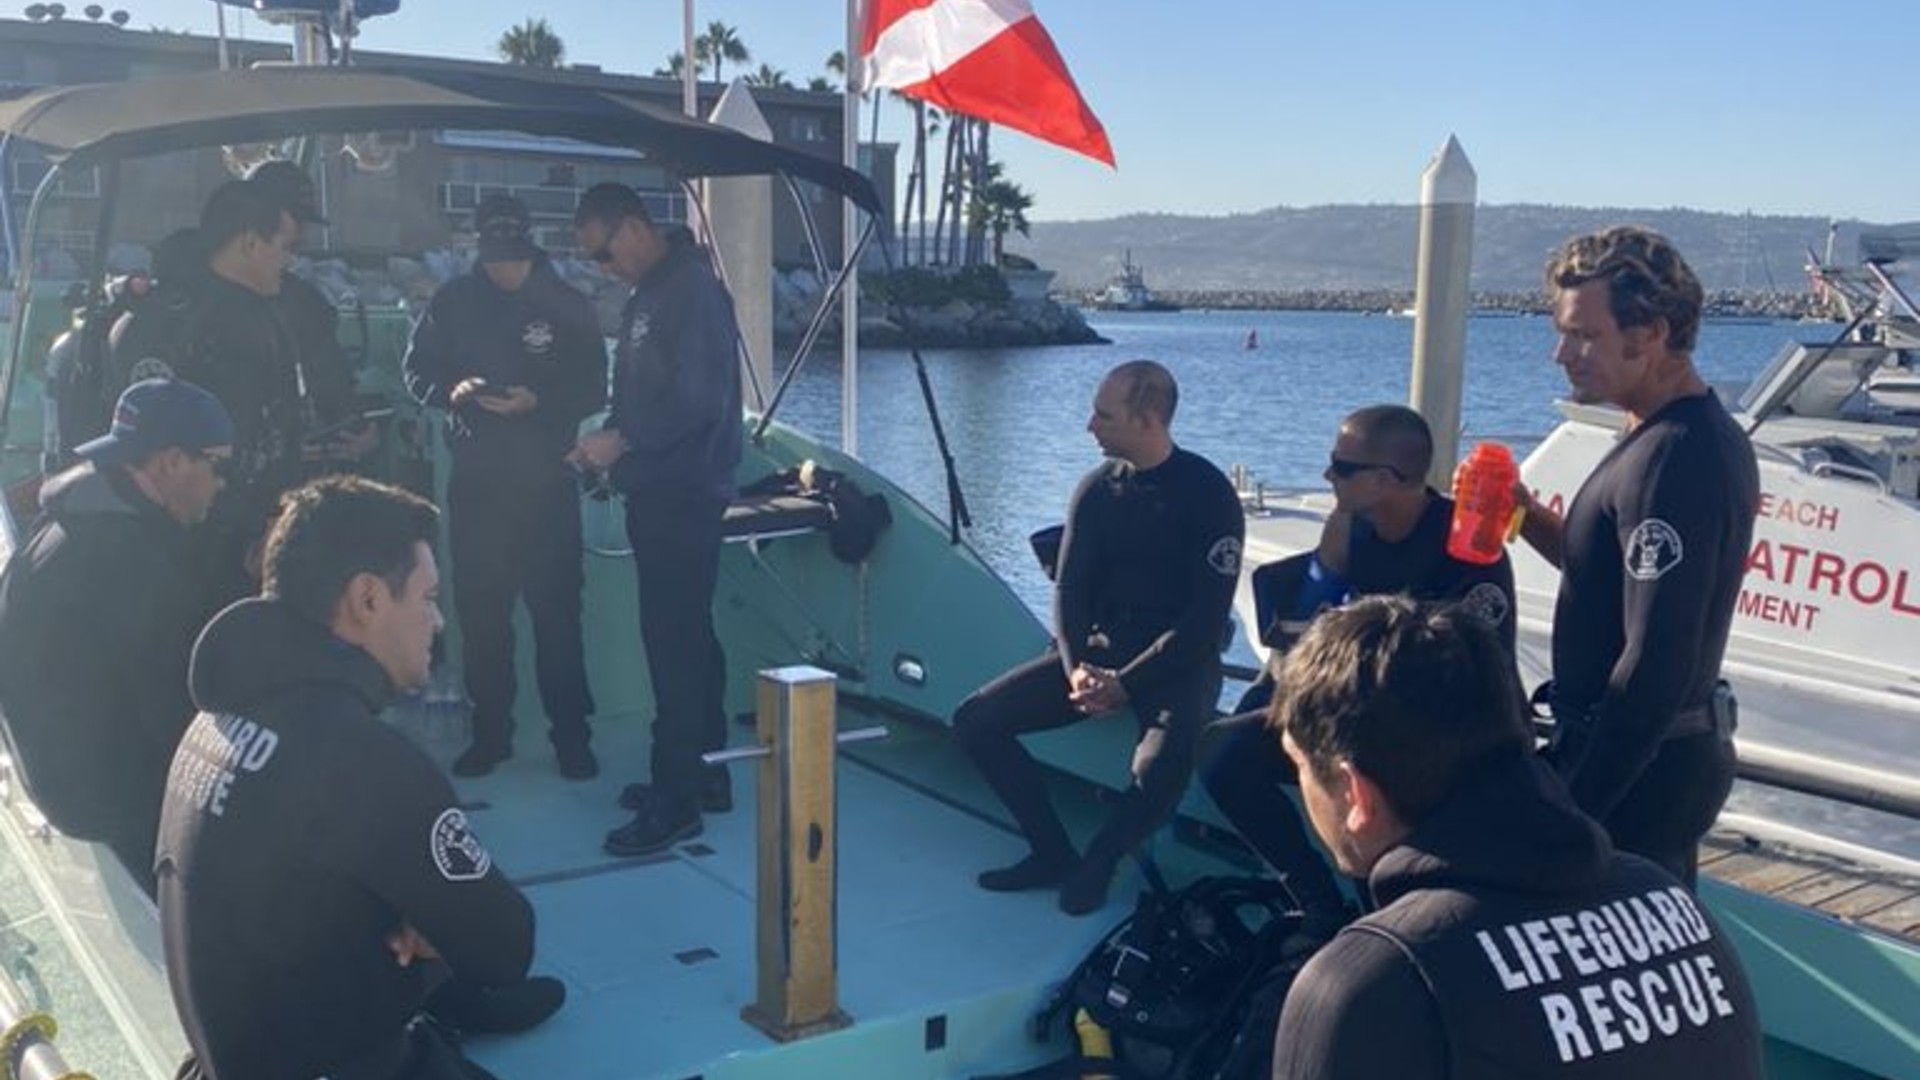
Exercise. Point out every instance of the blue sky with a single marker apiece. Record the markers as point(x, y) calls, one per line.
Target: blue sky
point(1225, 106)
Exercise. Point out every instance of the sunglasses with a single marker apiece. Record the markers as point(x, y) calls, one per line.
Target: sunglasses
point(1347, 470)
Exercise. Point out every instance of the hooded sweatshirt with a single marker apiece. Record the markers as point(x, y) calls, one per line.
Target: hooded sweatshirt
point(1511, 940)
point(298, 833)
point(98, 612)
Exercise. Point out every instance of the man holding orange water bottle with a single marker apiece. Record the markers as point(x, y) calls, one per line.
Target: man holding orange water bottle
point(1651, 553)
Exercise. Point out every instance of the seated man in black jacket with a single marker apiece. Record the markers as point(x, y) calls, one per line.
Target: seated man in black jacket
point(317, 875)
point(98, 612)
point(1511, 938)
point(1387, 534)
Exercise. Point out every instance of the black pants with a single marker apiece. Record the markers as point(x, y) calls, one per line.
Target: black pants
point(518, 538)
point(1673, 803)
point(676, 558)
point(1033, 697)
point(1243, 772)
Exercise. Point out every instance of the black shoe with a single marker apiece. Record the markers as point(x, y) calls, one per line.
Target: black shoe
point(716, 794)
point(660, 825)
point(576, 761)
point(1032, 872)
point(480, 759)
point(497, 1010)
point(1085, 890)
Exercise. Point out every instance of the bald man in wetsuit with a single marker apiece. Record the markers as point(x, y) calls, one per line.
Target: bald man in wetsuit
point(1147, 569)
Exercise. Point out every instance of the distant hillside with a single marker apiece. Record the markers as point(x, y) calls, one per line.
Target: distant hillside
point(1373, 247)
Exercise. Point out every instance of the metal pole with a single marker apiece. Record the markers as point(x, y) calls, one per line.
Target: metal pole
point(689, 74)
point(26, 1040)
point(799, 847)
point(1442, 294)
point(849, 239)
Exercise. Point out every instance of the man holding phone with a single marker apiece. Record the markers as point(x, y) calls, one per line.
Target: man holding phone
point(515, 356)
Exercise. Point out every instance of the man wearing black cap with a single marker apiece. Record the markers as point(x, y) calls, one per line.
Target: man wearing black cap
point(98, 614)
point(670, 446)
point(514, 355)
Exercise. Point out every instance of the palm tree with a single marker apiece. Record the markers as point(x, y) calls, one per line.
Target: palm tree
point(770, 77)
point(820, 84)
point(532, 43)
point(997, 207)
point(718, 45)
point(837, 63)
point(676, 63)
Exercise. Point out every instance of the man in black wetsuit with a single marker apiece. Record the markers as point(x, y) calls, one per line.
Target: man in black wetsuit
point(318, 877)
point(327, 377)
point(98, 612)
point(1387, 534)
point(670, 447)
point(514, 354)
point(227, 332)
point(1148, 564)
point(1651, 553)
point(1511, 938)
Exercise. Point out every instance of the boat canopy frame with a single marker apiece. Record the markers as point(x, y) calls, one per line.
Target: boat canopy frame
point(101, 124)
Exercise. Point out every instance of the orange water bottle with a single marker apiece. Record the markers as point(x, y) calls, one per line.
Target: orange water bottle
point(1483, 504)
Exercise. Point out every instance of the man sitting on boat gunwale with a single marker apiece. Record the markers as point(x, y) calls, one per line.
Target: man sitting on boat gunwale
point(1387, 534)
point(1148, 564)
point(95, 703)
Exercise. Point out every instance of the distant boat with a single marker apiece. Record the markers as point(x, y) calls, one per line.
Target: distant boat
point(1253, 339)
point(1400, 312)
point(1128, 291)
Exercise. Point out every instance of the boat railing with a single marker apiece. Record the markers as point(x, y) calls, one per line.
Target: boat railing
point(26, 1039)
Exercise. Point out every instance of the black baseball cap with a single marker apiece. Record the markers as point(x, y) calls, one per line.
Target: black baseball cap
point(505, 230)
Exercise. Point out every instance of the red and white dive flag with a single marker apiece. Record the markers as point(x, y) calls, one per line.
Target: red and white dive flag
point(989, 59)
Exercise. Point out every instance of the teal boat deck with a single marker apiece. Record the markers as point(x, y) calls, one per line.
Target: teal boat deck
point(658, 953)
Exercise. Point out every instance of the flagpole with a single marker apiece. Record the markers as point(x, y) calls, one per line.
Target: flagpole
point(849, 237)
point(689, 73)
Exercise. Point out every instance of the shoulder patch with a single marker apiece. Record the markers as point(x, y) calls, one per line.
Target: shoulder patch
point(1224, 556)
point(1486, 602)
point(456, 852)
point(149, 367)
point(1652, 549)
point(536, 337)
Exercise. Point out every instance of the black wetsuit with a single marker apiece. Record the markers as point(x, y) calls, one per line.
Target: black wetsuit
point(98, 612)
point(1513, 941)
point(514, 505)
point(676, 399)
point(1655, 546)
point(1245, 769)
point(298, 833)
point(1148, 565)
point(248, 350)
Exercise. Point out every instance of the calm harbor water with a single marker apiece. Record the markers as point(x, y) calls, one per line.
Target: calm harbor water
point(1016, 417)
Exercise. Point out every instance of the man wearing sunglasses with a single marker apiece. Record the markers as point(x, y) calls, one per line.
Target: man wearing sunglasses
point(670, 447)
point(98, 613)
point(514, 355)
point(1387, 534)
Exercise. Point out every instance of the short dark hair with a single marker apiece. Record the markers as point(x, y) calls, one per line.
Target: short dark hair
point(1150, 389)
point(238, 207)
point(1395, 435)
point(337, 527)
point(608, 204)
point(1410, 694)
point(1645, 275)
